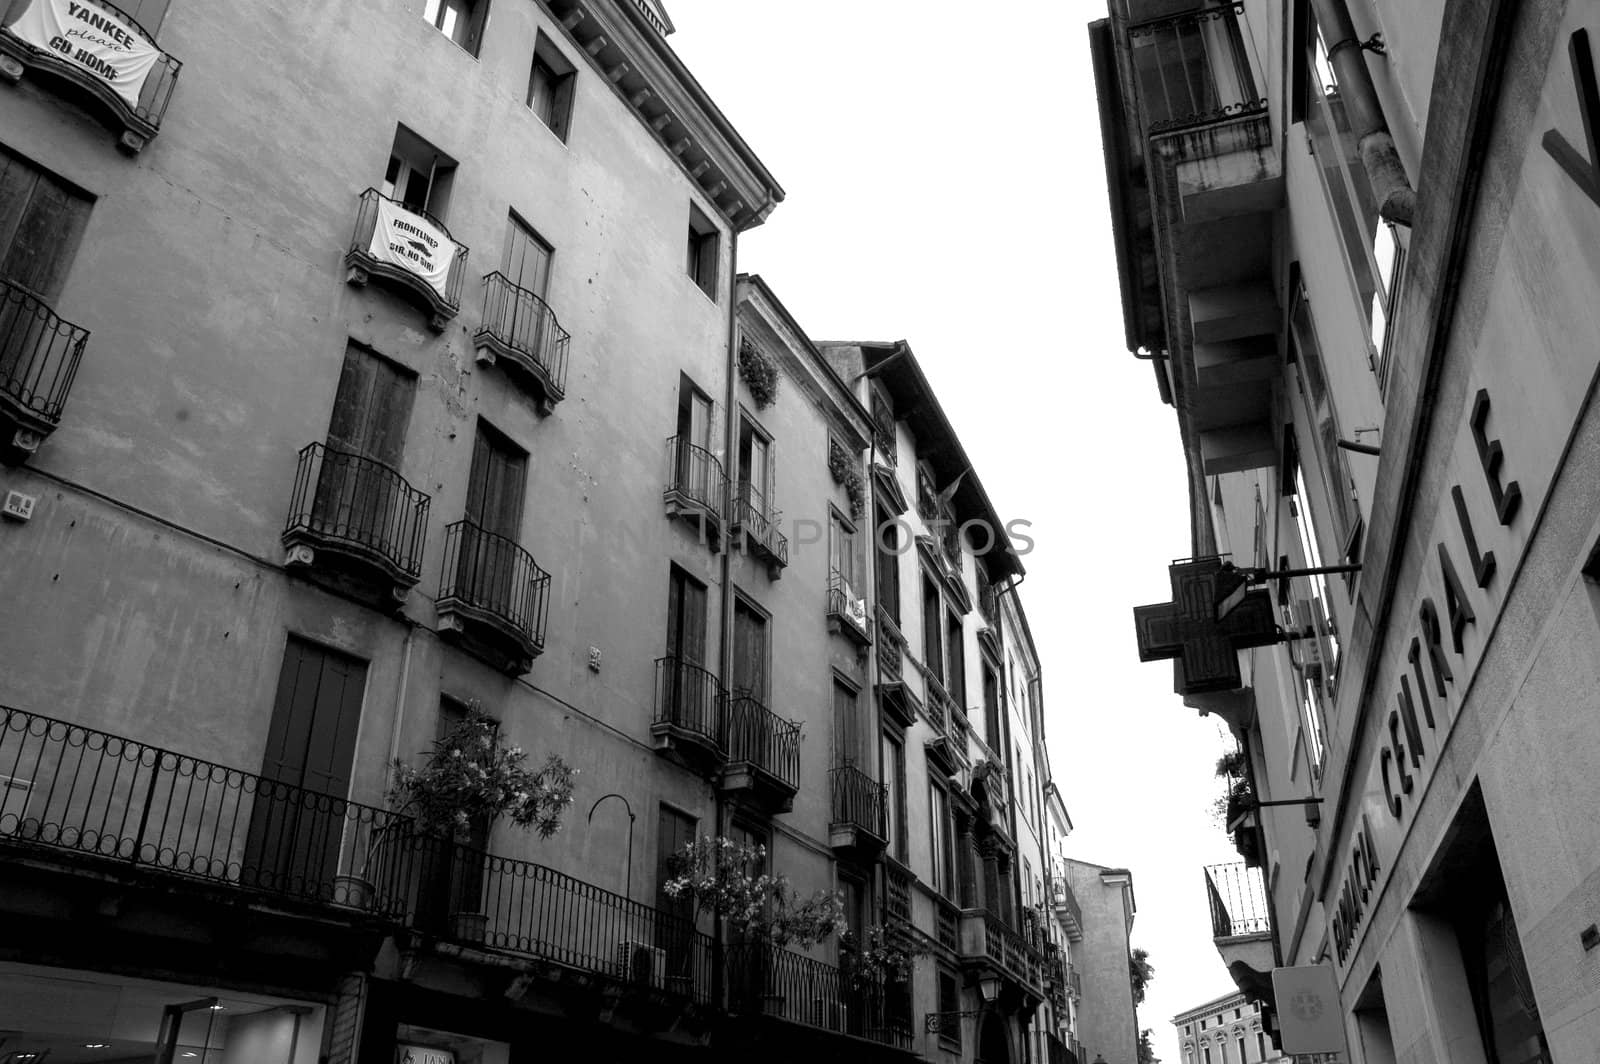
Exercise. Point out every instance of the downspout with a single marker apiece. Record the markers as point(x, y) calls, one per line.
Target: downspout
point(1397, 200)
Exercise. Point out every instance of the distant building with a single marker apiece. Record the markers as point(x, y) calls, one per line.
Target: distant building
point(1226, 1030)
point(1108, 1023)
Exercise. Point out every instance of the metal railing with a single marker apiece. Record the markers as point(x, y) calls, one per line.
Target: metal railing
point(39, 353)
point(154, 95)
point(1193, 68)
point(844, 603)
point(948, 919)
point(525, 324)
point(689, 697)
point(694, 474)
point(481, 898)
point(768, 981)
point(1065, 902)
point(892, 645)
point(760, 522)
point(361, 248)
point(493, 574)
point(755, 734)
point(96, 795)
point(1238, 901)
point(354, 501)
point(859, 800)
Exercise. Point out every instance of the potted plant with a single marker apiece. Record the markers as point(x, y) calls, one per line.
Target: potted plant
point(875, 957)
point(471, 778)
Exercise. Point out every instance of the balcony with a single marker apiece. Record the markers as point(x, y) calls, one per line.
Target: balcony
point(1241, 922)
point(847, 612)
point(119, 71)
point(778, 984)
point(39, 356)
point(763, 753)
point(987, 944)
point(354, 518)
point(1065, 904)
point(1193, 69)
point(520, 330)
point(758, 525)
point(410, 250)
point(690, 706)
point(493, 598)
point(694, 487)
point(859, 825)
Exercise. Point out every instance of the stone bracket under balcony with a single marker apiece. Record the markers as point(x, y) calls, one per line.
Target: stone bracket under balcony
point(134, 112)
point(409, 250)
point(493, 598)
point(355, 524)
point(39, 357)
point(520, 331)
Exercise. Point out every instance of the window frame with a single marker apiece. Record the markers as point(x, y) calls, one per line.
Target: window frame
point(562, 81)
point(704, 252)
point(472, 16)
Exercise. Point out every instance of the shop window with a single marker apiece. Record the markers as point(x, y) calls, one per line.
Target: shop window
point(550, 85)
point(460, 20)
point(422, 1045)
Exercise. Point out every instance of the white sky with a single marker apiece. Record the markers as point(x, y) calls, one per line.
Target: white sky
point(946, 186)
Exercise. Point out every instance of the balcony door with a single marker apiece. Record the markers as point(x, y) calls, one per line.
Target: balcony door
point(749, 725)
point(358, 486)
point(526, 264)
point(691, 693)
point(298, 817)
point(755, 476)
point(694, 473)
point(489, 552)
point(41, 223)
point(674, 930)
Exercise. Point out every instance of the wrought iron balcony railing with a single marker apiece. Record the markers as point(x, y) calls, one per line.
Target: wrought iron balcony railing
point(520, 327)
point(756, 735)
point(1193, 69)
point(412, 249)
point(847, 611)
point(1065, 902)
point(859, 800)
point(689, 699)
point(360, 508)
point(139, 110)
point(490, 581)
point(1238, 901)
point(766, 981)
point(481, 898)
point(694, 480)
point(760, 521)
point(39, 356)
point(95, 796)
point(897, 894)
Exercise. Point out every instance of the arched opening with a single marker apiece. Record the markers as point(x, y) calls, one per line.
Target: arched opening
point(993, 1046)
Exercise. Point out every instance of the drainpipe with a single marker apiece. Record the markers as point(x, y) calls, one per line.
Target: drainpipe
point(1397, 200)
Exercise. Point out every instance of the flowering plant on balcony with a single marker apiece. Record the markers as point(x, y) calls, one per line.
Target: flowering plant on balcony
point(847, 474)
point(723, 878)
point(472, 777)
point(759, 373)
point(877, 956)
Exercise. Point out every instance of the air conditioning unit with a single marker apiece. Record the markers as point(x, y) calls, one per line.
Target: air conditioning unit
point(642, 963)
point(1306, 615)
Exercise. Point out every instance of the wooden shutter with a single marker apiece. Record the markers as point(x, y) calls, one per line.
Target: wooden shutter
point(750, 652)
point(495, 484)
point(686, 619)
point(956, 681)
point(526, 262)
point(932, 654)
point(41, 224)
point(147, 13)
point(372, 407)
point(311, 737)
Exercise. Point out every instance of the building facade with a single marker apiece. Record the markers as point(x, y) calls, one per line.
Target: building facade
point(1226, 1030)
point(1352, 244)
point(1108, 1021)
point(337, 406)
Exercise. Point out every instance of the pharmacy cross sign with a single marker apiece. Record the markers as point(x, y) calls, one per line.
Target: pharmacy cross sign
point(1202, 647)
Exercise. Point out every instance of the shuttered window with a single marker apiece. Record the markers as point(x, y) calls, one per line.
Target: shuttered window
point(42, 220)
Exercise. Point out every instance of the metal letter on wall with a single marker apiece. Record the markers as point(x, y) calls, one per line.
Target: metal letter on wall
point(1580, 169)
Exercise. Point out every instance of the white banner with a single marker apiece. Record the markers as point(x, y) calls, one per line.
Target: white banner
point(414, 244)
point(91, 39)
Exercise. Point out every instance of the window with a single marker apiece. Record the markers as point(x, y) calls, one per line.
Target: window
point(1322, 424)
point(550, 86)
point(495, 483)
point(755, 470)
point(932, 652)
point(703, 249)
point(694, 467)
point(849, 742)
point(886, 544)
point(526, 262)
point(460, 20)
point(949, 1001)
point(41, 224)
point(943, 840)
point(1261, 1046)
point(1242, 1057)
point(1371, 245)
point(419, 176)
point(991, 708)
point(147, 13)
point(1205, 1052)
point(842, 548)
point(750, 652)
point(371, 408)
point(686, 618)
point(956, 677)
point(894, 782)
